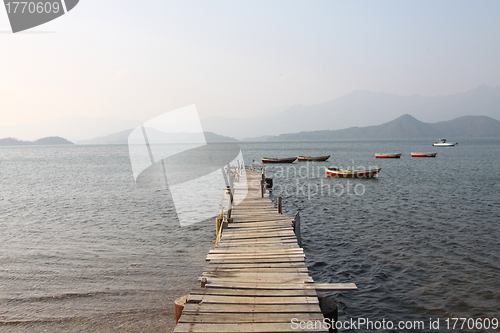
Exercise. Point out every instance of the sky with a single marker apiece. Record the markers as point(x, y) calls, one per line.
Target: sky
point(139, 59)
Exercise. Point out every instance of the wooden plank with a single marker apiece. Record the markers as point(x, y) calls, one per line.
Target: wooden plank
point(264, 279)
point(254, 256)
point(253, 292)
point(275, 300)
point(335, 286)
point(241, 327)
point(283, 245)
point(256, 269)
point(277, 265)
point(276, 227)
point(282, 259)
point(259, 234)
point(258, 242)
point(259, 237)
point(249, 275)
point(249, 318)
point(251, 308)
point(258, 286)
point(250, 249)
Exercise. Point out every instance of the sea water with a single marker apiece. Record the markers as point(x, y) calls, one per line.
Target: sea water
point(83, 249)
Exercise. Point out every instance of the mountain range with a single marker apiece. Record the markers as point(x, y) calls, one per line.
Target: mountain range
point(403, 127)
point(360, 108)
point(406, 127)
point(156, 136)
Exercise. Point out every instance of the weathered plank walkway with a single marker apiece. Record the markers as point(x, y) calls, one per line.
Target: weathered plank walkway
point(256, 279)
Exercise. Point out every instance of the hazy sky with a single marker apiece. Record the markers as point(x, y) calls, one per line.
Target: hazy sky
point(139, 59)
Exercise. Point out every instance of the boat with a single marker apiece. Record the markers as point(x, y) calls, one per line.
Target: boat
point(336, 172)
point(443, 143)
point(278, 160)
point(423, 154)
point(313, 158)
point(391, 155)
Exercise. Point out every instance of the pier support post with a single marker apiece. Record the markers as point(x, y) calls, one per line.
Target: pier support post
point(262, 188)
point(218, 222)
point(218, 226)
point(179, 304)
point(296, 228)
point(279, 205)
point(230, 194)
point(329, 310)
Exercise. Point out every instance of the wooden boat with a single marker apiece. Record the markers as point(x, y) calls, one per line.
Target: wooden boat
point(443, 143)
point(278, 160)
point(391, 155)
point(343, 173)
point(423, 154)
point(313, 158)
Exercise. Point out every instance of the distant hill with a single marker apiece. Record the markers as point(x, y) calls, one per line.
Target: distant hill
point(122, 138)
point(13, 142)
point(74, 128)
point(406, 127)
point(51, 140)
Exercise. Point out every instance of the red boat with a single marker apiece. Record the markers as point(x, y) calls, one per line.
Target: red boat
point(423, 154)
point(338, 173)
point(278, 160)
point(392, 155)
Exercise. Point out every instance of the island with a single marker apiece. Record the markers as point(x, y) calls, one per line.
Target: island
point(48, 141)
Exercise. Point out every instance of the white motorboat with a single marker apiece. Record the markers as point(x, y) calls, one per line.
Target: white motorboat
point(443, 143)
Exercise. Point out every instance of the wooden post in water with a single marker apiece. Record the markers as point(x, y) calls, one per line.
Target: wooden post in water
point(230, 180)
point(218, 222)
point(230, 194)
point(179, 306)
point(279, 205)
point(296, 228)
point(262, 188)
point(218, 226)
point(230, 204)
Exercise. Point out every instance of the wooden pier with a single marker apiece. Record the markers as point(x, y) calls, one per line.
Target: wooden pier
point(256, 279)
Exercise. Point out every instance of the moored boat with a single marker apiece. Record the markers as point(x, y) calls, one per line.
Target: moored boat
point(313, 158)
point(443, 143)
point(423, 154)
point(391, 155)
point(335, 172)
point(278, 160)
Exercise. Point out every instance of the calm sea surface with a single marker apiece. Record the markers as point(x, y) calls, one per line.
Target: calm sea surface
point(83, 249)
